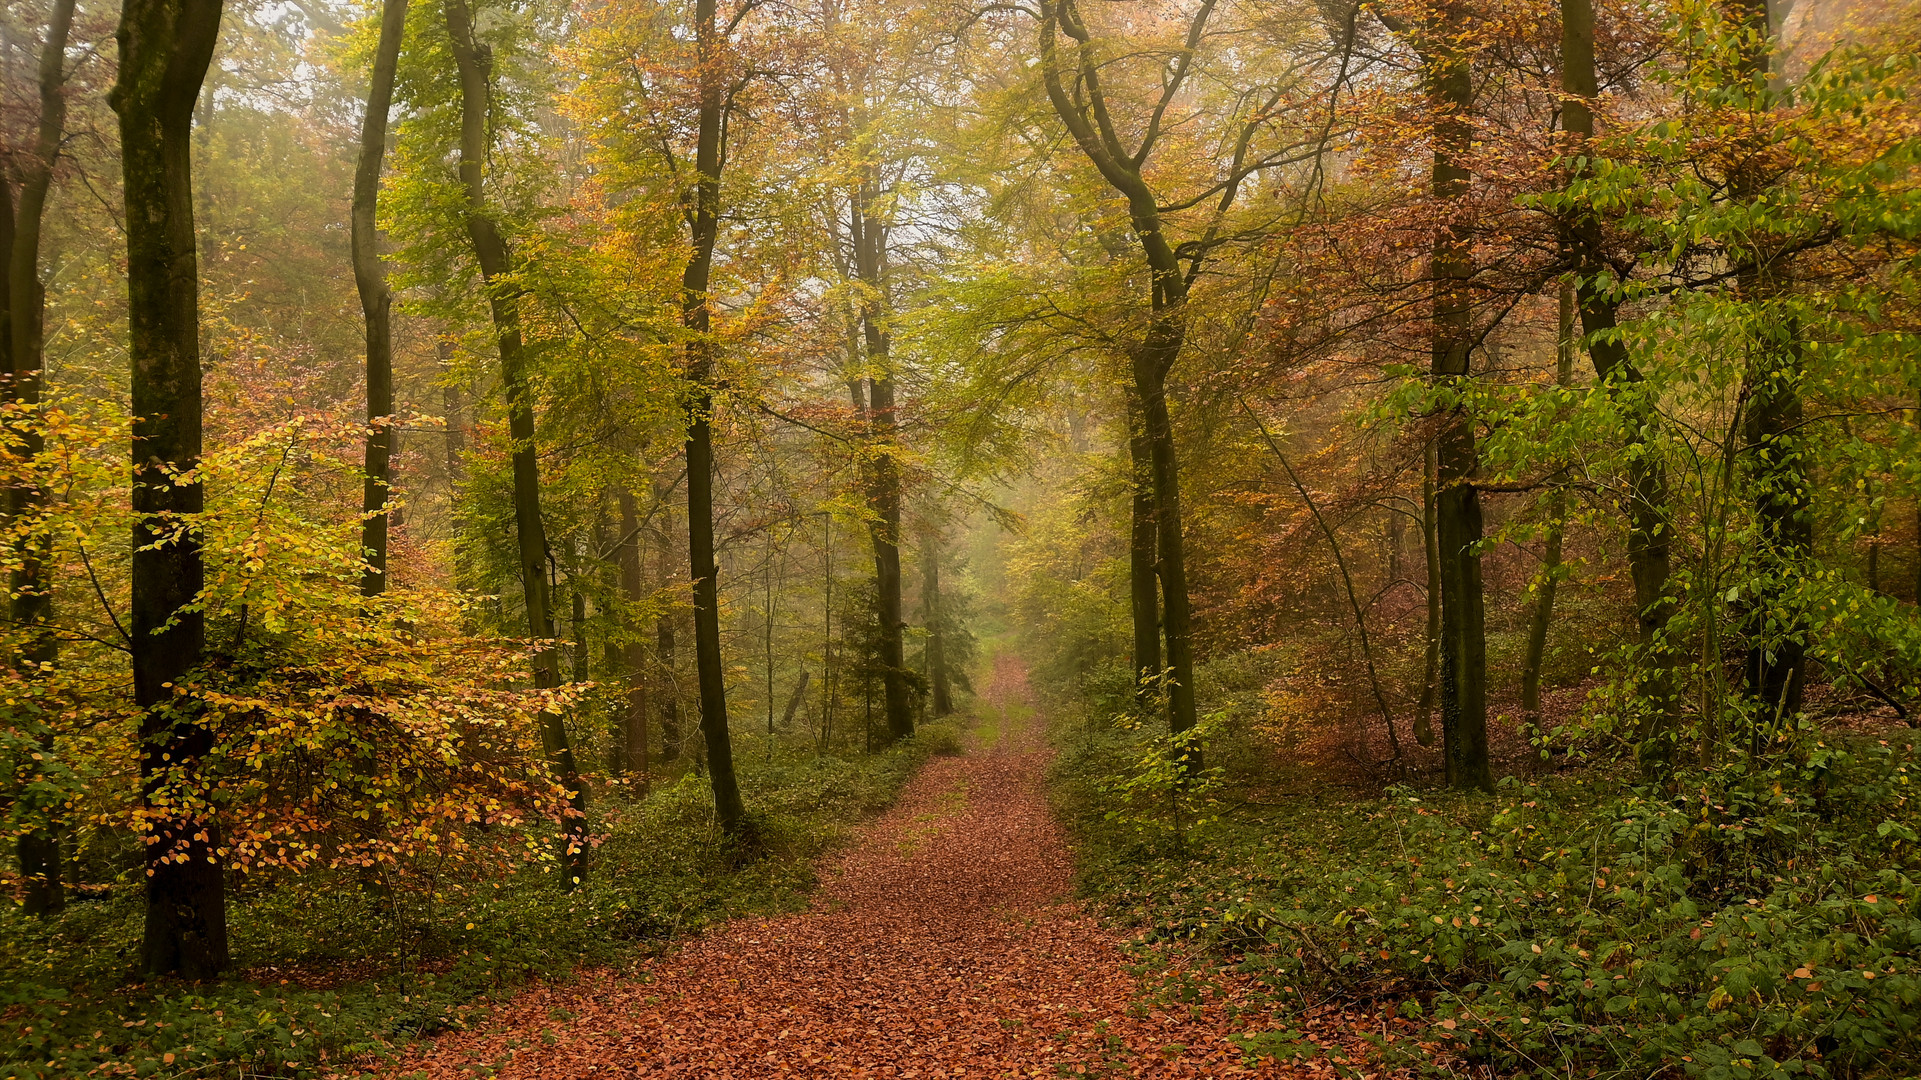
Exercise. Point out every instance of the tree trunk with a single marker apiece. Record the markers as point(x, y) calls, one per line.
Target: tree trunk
point(771, 596)
point(165, 47)
point(1150, 380)
point(939, 686)
point(883, 471)
point(1541, 613)
point(1143, 584)
point(1775, 658)
point(1431, 552)
point(697, 318)
point(579, 602)
point(634, 655)
point(1457, 501)
point(827, 634)
point(1649, 560)
point(795, 699)
point(376, 300)
point(1774, 444)
point(665, 657)
point(22, 327)
point(496, 262)
point(1154, 356)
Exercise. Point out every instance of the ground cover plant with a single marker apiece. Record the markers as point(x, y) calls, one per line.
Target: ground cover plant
point(1755, 919)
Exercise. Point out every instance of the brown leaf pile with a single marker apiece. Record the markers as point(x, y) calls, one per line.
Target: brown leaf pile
point(940, 947)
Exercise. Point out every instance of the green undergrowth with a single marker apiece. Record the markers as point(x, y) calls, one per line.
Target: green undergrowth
point(1752, 920)
point(332, 970)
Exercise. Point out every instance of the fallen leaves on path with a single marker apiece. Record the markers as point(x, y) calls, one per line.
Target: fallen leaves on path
point(939, 947)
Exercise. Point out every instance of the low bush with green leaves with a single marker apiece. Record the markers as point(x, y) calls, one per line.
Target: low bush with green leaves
point(337, 969)
point(1756, 919)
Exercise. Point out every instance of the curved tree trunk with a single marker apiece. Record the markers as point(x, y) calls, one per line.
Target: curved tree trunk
point(24, 319)
point(165, 47)
point(496, 262)
point(376, 300)
point(1083, 112)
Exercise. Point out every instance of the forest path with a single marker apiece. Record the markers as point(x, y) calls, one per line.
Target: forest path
point(939, 946)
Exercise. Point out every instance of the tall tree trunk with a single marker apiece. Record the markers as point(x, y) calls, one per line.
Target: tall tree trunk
point(376, 300)
point(1457, 501)
point(883, 470)
point(827, 633)
point(1778, 456)
point(496, 262)
point(1151, 366)
point(697, 318)
point(1541, 613)
point(165, 47)
point(24, 321)
point(938, 683)
point(613, 666)
point(1431, 555)
point(1776, 449)
point(771, 595)
point(1143, 583)
point(1154, 356)
point(634, 654)
point(665, 659)
point(453, 406)
point(1649, 559)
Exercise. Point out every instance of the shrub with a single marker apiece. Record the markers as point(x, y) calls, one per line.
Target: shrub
point(940, 738)
point(1750, 920)
point(335, 966)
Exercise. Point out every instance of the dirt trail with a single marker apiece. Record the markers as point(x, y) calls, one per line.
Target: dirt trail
point(939, 946)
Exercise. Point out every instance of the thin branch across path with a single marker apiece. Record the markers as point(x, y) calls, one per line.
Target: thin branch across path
point(941, 946)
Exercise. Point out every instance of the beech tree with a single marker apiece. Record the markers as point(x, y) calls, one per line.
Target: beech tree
point(710, 152)
point(23, 337)
point(496, 261)
point(1074, 79)
point(376, 299)
point(165, 47)
point(1597, 292)
point(1447, 75)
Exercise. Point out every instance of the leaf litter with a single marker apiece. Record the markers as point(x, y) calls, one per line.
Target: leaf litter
point(942, 945)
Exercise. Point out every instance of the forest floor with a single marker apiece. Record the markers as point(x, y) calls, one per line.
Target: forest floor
point(942, 944)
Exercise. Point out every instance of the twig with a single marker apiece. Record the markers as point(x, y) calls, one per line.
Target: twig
point(1353, 602)
point(101, 593)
